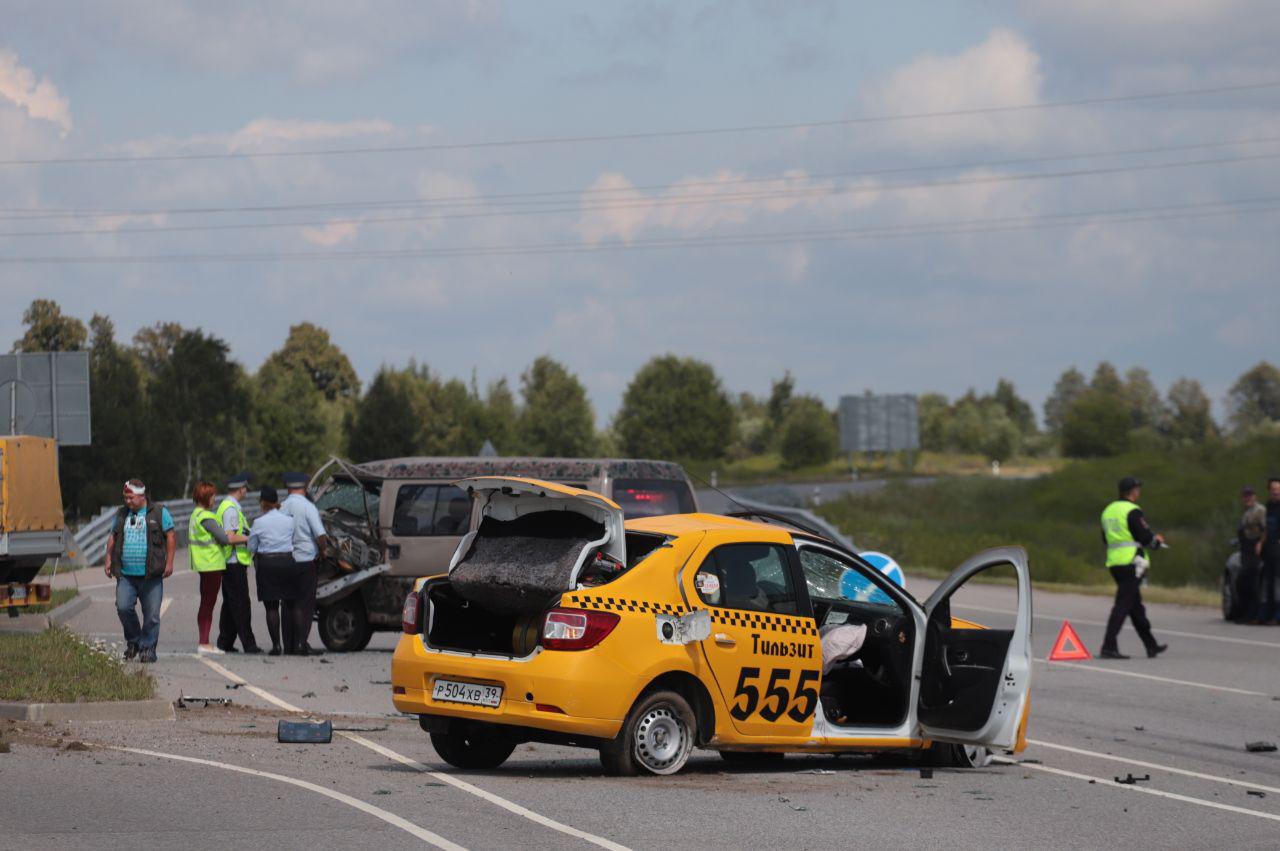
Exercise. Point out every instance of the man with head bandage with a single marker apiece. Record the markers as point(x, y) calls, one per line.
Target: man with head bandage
point(140, 557)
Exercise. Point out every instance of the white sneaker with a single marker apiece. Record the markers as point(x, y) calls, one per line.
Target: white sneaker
point(210, 650)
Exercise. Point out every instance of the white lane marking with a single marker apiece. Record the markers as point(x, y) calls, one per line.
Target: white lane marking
point(1230, 781)
point(1133, 787)
point(377, 812)
point(164, 606)
point(1095, 669)
point(1161, 630)
point(249, 687)
point(488, 796)
point(509, 806)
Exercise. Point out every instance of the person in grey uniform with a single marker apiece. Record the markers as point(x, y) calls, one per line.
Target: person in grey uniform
point(309, 542)
point(271, 542)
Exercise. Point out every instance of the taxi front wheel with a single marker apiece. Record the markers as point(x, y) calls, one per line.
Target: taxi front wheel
point(474, 749)
point(656, 738)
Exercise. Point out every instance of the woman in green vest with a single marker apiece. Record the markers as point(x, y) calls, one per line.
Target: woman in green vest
point(205, 541)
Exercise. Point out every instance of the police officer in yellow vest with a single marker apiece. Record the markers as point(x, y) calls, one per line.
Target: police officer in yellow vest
point(235, 619)
point(1127, 537)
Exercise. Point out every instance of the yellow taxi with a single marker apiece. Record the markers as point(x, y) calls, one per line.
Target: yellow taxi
point(560, 622)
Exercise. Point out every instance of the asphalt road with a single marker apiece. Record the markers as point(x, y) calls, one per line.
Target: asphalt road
point(1183, 719)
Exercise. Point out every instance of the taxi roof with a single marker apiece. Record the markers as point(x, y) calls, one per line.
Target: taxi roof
point(685, 524)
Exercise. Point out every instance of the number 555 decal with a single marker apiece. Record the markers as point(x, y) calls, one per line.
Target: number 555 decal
point(777, 696)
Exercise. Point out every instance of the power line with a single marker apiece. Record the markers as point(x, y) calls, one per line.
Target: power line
point(962, 227)
point(644, 135)
point(545, 196)
point(664, 202)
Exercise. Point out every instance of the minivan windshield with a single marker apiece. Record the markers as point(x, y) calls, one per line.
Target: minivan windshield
point(345, 495)
point(652, 497)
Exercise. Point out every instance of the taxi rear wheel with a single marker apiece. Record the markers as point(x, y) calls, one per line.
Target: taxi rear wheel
point(478, 748)
point(656, 738)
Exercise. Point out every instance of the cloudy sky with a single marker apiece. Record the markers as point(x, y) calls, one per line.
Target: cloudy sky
point(501, 180)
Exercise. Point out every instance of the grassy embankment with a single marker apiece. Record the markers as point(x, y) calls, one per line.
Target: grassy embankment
point(769, 469)
point(57, 597)
point(54, 666)
point(1191, 495)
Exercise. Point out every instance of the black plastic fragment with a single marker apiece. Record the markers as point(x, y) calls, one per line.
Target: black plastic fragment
point(1129, 779)
point(1260, 747)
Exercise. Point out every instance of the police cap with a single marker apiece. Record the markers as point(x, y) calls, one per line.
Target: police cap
point(239, 480)
point(295, 480)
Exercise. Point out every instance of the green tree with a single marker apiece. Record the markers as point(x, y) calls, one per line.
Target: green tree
point(91, 475)
point(384, 423)
point(155, 345)
point(309, 350)
point(1146, 408)
point(808, 434)
point(1015, 407)
point(751, 427)
point(197, 404)
point(1069, 387)
point(1190, 418)
point(934, 410)
point(981, 426)
point(1107, 380)
point(675, 408)
point(453, 419)
point(779, 400)
point(290, 428)
point(500, 416)
point(1096, 425)
point(49, 330)
point(556, 420)
point(1254, 399)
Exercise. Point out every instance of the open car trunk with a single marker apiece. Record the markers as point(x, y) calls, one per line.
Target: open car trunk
point(535, 541)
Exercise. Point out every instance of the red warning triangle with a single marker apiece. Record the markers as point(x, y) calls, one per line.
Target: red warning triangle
point(1069, 647)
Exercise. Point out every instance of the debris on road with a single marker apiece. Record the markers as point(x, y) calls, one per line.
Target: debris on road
point(382, 791)
point(1256, 793)
point(1260, 747)
point(926, 774)
point(1140, 729)
point(359, 728)
point(308, 694)
point(342, 688)
point(76, 745)
point(379, 682)
point(304, 732)
point(1129, 779)
point(186, 701)
point(817, 771)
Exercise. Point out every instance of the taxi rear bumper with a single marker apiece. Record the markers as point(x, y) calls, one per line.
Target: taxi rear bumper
point(561, 692)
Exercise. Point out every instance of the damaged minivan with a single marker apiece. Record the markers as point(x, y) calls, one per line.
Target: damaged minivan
point(392, 521)
point(561, 621)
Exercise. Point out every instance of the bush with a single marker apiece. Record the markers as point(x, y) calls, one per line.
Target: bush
point(808, 436)
point(1096, 426)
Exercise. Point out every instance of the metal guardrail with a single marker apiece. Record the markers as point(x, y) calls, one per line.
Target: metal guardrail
point(91, 537)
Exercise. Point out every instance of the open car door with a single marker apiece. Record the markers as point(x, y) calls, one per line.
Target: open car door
point(975, 682)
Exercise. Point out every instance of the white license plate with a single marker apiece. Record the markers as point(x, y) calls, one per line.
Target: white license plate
point(476, 694)
point(18, 593)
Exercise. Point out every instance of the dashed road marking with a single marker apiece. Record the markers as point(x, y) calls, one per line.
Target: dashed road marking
point(1098, 669)
point(1133, 787)
point(1223, 638)
point(498, 800)
point(164, 606)
point(377, 812)
point(1155, 766)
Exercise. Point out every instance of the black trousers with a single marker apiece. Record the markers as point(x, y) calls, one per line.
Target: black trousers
point(306, 604)
point(1128, 604)
point(1247, 582)
point(235, 620)
point(1267, 583)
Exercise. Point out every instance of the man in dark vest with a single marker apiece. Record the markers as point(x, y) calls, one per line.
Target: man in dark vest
point(140, 557)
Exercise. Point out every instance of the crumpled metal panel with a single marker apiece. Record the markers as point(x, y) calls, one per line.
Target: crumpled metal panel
point(548, 469)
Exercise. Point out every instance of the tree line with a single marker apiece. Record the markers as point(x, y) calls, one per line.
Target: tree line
point(172, 406)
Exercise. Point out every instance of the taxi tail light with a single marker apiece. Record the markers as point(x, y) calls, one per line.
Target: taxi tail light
point(576, 629)
point(409, 615)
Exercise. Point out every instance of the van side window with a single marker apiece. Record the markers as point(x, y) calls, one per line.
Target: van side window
point(429, 510)
point(753, 577)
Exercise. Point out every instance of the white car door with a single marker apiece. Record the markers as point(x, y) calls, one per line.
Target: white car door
point(975, 682)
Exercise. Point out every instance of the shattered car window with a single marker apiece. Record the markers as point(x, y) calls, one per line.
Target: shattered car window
point(348, 497)
point(829, 579)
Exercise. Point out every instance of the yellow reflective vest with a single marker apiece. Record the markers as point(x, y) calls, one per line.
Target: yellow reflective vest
point(1121, 546)
point(204, 550)
point(234, 552)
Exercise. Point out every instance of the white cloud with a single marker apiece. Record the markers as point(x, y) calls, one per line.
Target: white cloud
point(269, 132)
point(39, 98)
point(334, 233)
point(1002, 70)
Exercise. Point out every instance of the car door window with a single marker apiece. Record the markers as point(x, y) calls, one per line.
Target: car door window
point(415, 510)
point(828, 578)
point(453, 511)
point(753, 577)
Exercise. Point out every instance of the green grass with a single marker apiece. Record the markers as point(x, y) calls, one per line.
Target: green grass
point(55, 666)
point(768, 468)
point(65, 566)
point(57, 598)
point(1190, 495)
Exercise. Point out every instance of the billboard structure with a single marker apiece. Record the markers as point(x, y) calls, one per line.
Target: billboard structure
point(46, 394)
point(888, 423)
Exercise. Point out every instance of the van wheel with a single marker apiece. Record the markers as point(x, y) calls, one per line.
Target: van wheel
point(481, 748)
point(344, 626)
point(656, 738)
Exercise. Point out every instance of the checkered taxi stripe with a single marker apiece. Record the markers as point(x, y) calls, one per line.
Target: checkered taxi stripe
point(728, 617)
